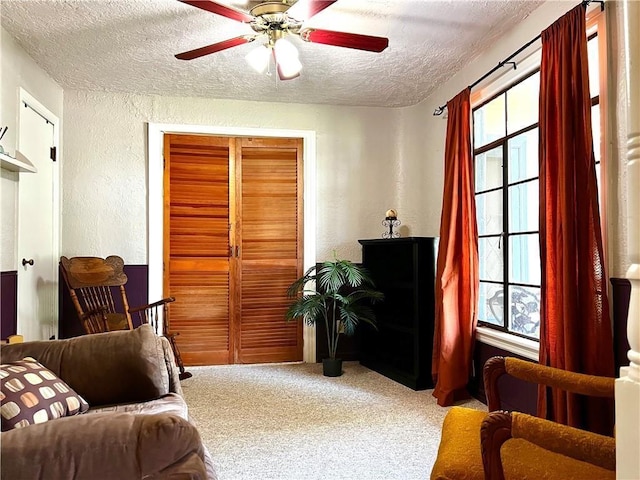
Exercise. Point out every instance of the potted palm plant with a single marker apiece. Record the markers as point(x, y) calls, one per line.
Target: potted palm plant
point(342, 298)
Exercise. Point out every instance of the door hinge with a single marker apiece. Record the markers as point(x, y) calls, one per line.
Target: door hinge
point(52, 153)
point(164, 163)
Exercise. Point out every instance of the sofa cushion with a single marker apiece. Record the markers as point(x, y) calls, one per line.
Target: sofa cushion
point(32, 394)
point(104, 446)
point(105, 368)
point(172, 403)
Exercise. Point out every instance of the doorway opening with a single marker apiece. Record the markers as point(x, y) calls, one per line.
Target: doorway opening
point(38, 232)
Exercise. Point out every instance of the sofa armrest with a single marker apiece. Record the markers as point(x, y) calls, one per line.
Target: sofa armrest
point(105, 368)
point(104, 446)
point(170, 364)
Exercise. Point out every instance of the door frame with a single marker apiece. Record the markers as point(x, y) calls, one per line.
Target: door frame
point(24, 97)
point(155, 135)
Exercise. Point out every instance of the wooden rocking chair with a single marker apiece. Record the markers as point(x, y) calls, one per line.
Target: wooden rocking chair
point(92, 281)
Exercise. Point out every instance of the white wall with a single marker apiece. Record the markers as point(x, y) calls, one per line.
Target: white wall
point(365, 166)
point(18, 70)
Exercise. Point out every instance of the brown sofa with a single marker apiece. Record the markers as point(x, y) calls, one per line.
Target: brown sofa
point(137, 425)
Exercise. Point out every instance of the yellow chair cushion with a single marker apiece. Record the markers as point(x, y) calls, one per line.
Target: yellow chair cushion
point(525, 460)
point(460, 458)
point(459, 454)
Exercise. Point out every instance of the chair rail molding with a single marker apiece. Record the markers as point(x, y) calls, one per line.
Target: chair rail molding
point(627, 393)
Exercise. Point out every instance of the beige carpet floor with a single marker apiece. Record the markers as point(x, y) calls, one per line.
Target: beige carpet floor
point(289, 422)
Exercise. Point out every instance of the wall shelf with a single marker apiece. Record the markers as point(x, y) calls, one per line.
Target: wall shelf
point(18, 164)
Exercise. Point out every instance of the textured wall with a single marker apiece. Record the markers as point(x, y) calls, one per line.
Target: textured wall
point(365, 165)
point(8, 220)
point(617, 196)
point(17, 70)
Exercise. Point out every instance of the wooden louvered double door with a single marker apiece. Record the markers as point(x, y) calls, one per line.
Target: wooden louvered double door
point(232, 246)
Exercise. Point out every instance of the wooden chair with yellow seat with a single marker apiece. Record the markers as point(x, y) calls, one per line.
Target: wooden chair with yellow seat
point(501, 445)
point(91, 282)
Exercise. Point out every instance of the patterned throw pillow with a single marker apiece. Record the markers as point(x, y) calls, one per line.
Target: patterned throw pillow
point(30, 393)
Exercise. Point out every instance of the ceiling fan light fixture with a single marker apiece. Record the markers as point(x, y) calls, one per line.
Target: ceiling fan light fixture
point(289, 69)
point(259, 58)
point(287, 61)
point(277, 19)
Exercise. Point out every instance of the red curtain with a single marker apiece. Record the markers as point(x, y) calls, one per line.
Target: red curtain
point(457, 270)
point(575, 331)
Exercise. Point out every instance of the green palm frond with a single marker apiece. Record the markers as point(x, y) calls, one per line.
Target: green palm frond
point(355, 275)
point(307, 307)
point(344, 294)
point(352, 314)
point(365, 294)
point(330, 277)
point(296, 287)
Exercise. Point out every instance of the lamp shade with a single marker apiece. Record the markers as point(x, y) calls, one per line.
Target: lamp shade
point(287, 60)
point(259, 58)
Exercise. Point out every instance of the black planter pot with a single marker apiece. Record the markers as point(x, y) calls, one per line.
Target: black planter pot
point(332, 367)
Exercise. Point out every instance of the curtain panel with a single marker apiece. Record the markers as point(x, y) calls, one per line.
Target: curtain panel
point(575, 331)
point(457, 268)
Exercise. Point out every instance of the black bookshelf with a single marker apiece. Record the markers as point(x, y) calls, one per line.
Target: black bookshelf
point(404, 270)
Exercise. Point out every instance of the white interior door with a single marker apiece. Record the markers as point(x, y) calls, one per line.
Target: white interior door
point(37, 245)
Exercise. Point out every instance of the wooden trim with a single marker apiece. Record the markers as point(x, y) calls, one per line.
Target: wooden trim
point(300, 243)
point(596, 21)
point(235, 287)
point(125, 306)
point(495, 430)
point(166, 209)
point(493, 369)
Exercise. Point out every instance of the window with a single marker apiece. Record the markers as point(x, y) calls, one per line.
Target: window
point(506, 186)
point(505, 147)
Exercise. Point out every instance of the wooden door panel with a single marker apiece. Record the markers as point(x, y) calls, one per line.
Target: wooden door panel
point(277, 250)
point(197, 200)
point(269, 227)
point(196, 194)
point(233, 244)
point(264, 335)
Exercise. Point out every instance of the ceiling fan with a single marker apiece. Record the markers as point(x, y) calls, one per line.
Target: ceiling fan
point(274, 21)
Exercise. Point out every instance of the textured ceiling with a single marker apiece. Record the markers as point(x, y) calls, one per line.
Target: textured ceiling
point(129, 46)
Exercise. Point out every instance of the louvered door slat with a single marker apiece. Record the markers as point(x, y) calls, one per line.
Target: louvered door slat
point(197, 246)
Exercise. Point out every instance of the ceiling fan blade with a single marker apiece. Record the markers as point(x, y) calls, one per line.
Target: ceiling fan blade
point(305, 9)
point(342, 39)
point(224, 10)
point(215, 47)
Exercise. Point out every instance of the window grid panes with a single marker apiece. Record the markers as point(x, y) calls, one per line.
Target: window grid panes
point(506, 174)
point(507, 188)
